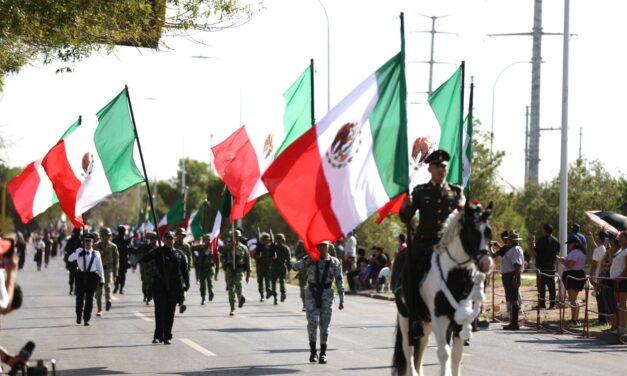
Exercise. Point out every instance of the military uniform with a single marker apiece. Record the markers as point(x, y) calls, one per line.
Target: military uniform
point(147, 270)
point(204, 269)
point(236, 263)
point(187, 251)
point(320, 296)
point(281, 264)
point(124, 249)
point(73, 243)
point(263, 259)
point(300, 252)
point(110, 261)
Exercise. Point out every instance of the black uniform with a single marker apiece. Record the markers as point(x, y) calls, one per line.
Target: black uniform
point(167, 287)
point(125, 248)
point(73, 243)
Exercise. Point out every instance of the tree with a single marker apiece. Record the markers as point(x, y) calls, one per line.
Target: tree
point(71, 30)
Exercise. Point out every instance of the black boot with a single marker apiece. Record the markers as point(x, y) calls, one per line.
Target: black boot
point(513, 323)
point(261, 294)
point(323, 354)
point(275, 300)
point(283, 297)
point(313, 357)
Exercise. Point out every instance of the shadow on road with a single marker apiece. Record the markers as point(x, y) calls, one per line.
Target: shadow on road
point(243, 370)
point(95, 371)
point(250, 330)
point(102, 347)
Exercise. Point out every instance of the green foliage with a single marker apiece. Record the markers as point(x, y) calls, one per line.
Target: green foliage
point(384, 235)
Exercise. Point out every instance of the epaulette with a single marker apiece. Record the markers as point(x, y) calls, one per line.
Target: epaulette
point(456, 188)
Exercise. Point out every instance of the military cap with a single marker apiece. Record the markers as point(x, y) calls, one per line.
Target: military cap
point(206, 237)
point(90, 236)
point(265, 235)
point(324, 242)
point(438, 157)
point(105, 231)
point(168, 235)
point(151, 235)
point(237, 233)
point(95, 235)
point(280, 236)
point(180, 231)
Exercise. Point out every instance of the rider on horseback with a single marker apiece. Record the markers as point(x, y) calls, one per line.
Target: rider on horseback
point(434, 201)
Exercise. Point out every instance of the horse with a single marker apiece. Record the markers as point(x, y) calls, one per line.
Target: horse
point(452, 291)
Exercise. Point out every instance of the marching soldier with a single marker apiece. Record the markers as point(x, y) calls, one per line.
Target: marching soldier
point(182, 246)
point(124, 248)
point(147, 270)
point(89, 274)
point(236, 263)
point(204, 267)
point(434, 201)
point(110, 262)
point(319, 298)
point(300, 252)
point(263, 259)
point(73, 243)
point(281, 264)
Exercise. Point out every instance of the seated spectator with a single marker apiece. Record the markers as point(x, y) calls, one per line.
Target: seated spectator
point(378, 261)
point(350, 276)
point(362, 280)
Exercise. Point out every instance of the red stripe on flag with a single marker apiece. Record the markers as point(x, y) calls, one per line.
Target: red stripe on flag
point(392, 207)
point(297, 184)
point(22, 189)
point(236, 163)
point(65, 184)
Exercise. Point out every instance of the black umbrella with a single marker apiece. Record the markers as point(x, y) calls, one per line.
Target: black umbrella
point(617, 221)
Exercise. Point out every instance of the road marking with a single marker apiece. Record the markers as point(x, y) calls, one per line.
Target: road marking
point(114, 298)
point(197, 347)
point(142, 316)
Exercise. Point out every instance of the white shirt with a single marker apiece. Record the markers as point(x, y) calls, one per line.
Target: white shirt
point(39, 244)
point(597, 255)
point(350, 247)
point(83, 262)
point(618, 265)
point(4, 294)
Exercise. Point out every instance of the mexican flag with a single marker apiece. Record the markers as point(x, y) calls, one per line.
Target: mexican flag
point(245, 155)
point(145, 223)
point(197, 221)
point(349, 164)
point(31, 191)
point(95, 160)
point(224, 211)
point(467, 145)
point(435, 126)
point(174, 217)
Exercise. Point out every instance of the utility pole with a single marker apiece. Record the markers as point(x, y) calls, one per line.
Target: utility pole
point(580, 141)
point(431, 60)
point(536, 61)
point(526, 145)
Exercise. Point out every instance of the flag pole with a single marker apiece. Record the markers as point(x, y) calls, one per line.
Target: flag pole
point(469, 133)
point(460, 148)
point(311, 77)
point(408, 223)
point(141, 156)
point(232, 236)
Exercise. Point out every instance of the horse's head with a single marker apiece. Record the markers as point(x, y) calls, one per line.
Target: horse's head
point(475, 234)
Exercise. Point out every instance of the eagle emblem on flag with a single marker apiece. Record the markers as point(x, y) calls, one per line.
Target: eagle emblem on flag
point(345, 145)
point(87, 163)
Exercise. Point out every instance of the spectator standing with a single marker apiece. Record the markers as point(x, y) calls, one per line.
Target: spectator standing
point(574, 263)
point(582, 238)
point(618, 272)
point(512, 267)
point(39, 246)
point(350, 250)
point(597, 255)
point(547, 248)
point(47, 248)
point(605, 286)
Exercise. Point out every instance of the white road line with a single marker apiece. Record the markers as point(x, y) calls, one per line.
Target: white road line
point(197, 347)
point(114, 298)
point(142, 316)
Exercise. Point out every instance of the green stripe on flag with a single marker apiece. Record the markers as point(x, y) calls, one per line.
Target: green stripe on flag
point(115, 139)
point(176, 214)
point(388, 126)
point(297, 116)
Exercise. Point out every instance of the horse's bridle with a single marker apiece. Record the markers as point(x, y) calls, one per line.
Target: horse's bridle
point(472, 256)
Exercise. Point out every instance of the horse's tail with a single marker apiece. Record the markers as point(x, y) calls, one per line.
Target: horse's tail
point(399, 362)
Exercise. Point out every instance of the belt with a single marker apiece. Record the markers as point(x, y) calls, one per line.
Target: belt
point(320, 285)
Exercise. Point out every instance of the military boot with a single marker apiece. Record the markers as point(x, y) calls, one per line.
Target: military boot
point(313, 356)
point(232, 313)
point(262, 299)
point(242, 300)
point(323, 354)
point(275, 300)
point(210, 296)
point(283, 297)
point(203, 301)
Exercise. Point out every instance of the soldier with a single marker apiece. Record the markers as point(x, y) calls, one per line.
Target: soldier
point(124, 248)
point(89, 274)
point(263, 259)
point(73, 243)
point(319, 300)
point(147, 270)
point(300, 252)
point(110, 262)
point(236, 263)
point(183, 247)
point(434, 201)
point(204, 267)
point(167, 285)
point(281, 264)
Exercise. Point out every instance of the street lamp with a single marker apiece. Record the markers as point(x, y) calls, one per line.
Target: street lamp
point(493, 97)
point(328, 57)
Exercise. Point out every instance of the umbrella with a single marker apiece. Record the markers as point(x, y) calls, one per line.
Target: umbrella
point(609, 221)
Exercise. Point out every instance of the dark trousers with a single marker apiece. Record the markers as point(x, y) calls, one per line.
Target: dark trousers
point(121, 280)
point(72, 277)
point(350, 276)
point(86, 284)
point(165, 305)
point(22, 260)
point(543, 283)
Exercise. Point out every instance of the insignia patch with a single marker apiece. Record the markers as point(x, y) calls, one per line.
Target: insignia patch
point(87, 163)
point(344, 146)
point(419, 152)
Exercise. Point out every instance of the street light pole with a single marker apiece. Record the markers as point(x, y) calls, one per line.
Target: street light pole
point(493, 97)
point(328, 56)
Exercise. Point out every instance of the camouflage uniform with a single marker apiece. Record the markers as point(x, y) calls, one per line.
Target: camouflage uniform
point(187, 251)
point(110, 262)
point(204, 270)
point(147, 270)
point(320, 296)
point(300, 252)
point(263, 260)
point(281, 264)
point(236, 263)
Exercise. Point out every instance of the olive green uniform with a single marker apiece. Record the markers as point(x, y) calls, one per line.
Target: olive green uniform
point(147, 270)
point(110, 262)
point(263, 260)
point(204, 268)
point(187, 251)
point(280, 266)
point(236, 264)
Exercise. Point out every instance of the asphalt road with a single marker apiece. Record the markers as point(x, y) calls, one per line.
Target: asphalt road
point(262, 339)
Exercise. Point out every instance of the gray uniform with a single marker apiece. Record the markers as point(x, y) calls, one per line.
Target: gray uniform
point(319, 295)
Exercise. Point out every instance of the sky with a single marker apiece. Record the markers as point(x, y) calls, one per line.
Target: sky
point(200, 88)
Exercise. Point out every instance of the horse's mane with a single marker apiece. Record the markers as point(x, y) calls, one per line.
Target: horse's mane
point(450, 230)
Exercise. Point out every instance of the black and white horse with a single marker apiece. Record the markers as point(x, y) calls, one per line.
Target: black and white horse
point(452, 291)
